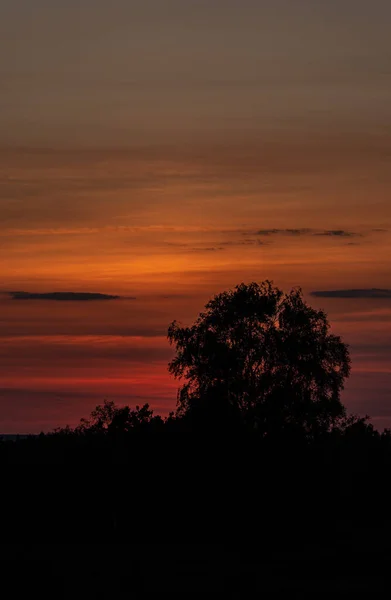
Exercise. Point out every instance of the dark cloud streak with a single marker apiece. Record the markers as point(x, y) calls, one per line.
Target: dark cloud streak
point(304, 231)
point(299, 231)
point(336, 233)
point(62, 296)
point(354, 293)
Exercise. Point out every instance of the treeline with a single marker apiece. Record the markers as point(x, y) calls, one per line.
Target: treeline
point(217, 481)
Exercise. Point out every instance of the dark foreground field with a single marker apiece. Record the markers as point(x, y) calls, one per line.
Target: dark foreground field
point(175, 514)
point(357, 563)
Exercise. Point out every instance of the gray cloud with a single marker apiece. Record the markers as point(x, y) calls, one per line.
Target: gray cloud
point(189, 248)
point(299, 231)
point(62, 296)
point(207, 249)
point(336, 233)
point(269, 231)
point(246, 243)
point(354, 293)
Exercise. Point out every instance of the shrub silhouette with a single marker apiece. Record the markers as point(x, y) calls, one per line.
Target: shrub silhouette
point(260, 357)
point(108, 418)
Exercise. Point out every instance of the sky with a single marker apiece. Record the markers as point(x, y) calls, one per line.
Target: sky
point(166, 150)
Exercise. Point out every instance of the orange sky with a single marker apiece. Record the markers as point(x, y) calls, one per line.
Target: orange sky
point(165, 154)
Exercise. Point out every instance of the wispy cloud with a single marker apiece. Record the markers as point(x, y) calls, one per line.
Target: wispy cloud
point(189, 248)
point(337, 233)
point(353, 293)
point(246, 242)
point(306, 231)
point(207, 249)
point(298, 231)
point(62, 296)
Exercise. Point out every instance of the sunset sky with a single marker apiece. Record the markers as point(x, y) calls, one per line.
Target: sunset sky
point(165, 150)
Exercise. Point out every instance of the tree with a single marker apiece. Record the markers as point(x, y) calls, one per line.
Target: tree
point(108, 418)
point(262, 357)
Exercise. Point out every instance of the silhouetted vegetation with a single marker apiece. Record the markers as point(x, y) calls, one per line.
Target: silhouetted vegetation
point(262, 358)
point(260, 458)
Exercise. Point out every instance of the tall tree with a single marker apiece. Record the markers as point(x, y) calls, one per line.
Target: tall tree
point(263, 357)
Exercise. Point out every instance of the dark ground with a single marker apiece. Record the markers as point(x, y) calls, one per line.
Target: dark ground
point(220, 519)
point(356, 562)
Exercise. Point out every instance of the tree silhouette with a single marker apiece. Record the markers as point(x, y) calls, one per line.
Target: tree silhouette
point(108, 418)
point(261, 357)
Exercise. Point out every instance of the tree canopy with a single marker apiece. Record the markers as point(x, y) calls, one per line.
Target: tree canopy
point(263, 357)
point(108, 418)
